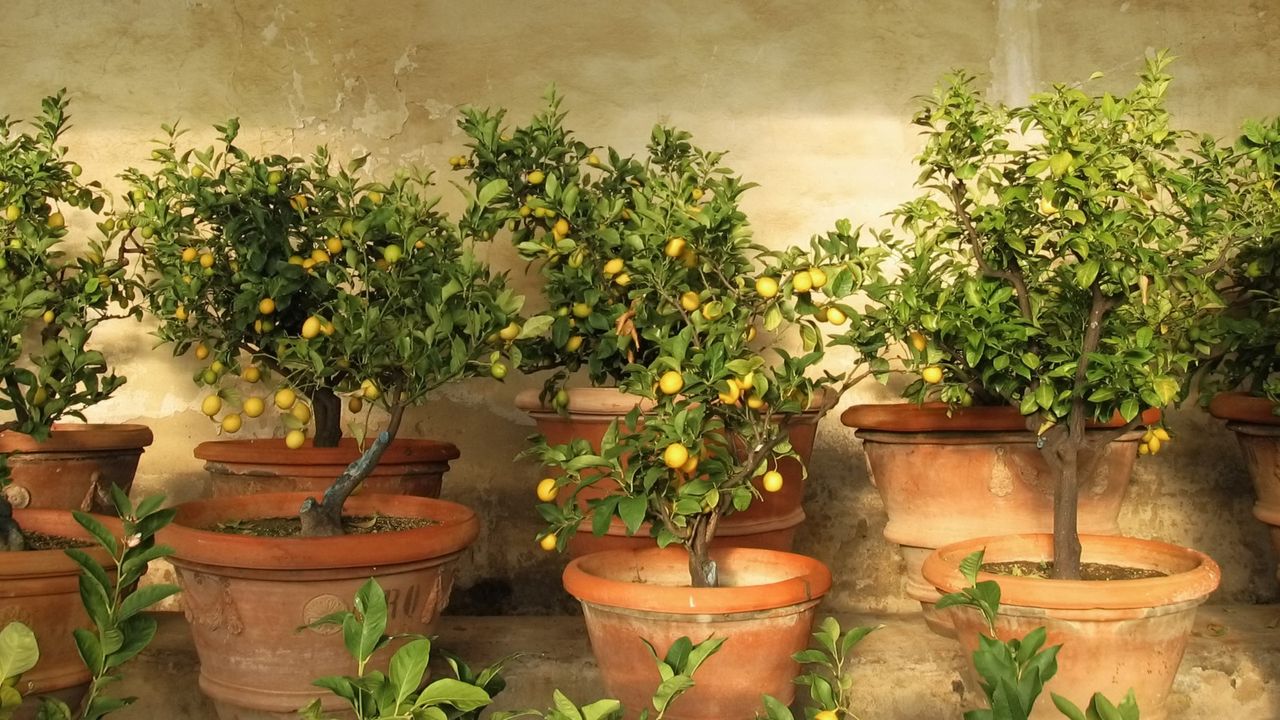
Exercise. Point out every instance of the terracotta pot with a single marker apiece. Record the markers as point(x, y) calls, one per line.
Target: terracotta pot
point(40, 588)
point(768, 524)
point(75, 467)
point(764, 611)
point(1257, 429)
point(943, 480)
point(245, 596)
point(1115, 635)
point(250, 467)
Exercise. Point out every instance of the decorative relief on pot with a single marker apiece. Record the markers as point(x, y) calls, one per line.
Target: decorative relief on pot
point(319, 606)
point(18, 496)
point(207, 602)
point(1001, 482)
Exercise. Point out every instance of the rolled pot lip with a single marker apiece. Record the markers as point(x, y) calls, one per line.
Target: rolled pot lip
point(583, 580)
point(1202, 576)
point(1243, 408)
point(46, 563)
point(907, 417)
point(457, 527)
point(272, 451)
point(80, 437)
point(612, 402)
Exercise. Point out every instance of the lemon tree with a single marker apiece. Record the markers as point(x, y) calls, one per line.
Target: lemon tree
point(301, 282)
point(1247, 356)
point(1062, 259)
point(723, 382)
point(52, 296)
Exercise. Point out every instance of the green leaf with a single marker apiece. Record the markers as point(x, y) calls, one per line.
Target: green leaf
point(491, 190)
point(143, 598)
point(455, 693)
point(407, 668)
point(1060, 163)
point(971, 565)
point(19, 650)
point(1066, 707)
point(632, 511)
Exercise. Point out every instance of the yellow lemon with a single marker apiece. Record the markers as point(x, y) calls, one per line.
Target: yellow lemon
point(818, 277)
point(547, 490)
point(690, 465)
point(802, 282)
point(836, 316)
point(56, 221)
point(581, 310)
point(301, 413)
point(671, 382)
point(266, 306)
point(231, 424)
point(561, 227)
point(690, 301)
point(766, 287)
point(574, 343)
point(294, 439)
point(510, 332)
point(253, 406)
point(536, 177)
point(189, 254)
point(206, 260)
point(623, 279)
point(251, 374)
point(370, 390)
point(48, 317)
point(755, 402)
point(211, 405)
point(675, 456)
point(392, 253)
point(12, 213)
point(675, 247)
point(733, 394)
point(311, 327)
point(1161, 434)
point(772, 481)
point(613, 267)
point(333, 245)
point(932, 374)
point(202, 351)
point(548, 542)
point(285, 398)
point(355, 404)
point(918, 342)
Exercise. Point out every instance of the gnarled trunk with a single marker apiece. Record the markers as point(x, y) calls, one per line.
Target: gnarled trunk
point(323, 517)
point(327, 410)
point(11, 537)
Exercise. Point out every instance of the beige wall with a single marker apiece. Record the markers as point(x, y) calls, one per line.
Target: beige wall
point(812, 98)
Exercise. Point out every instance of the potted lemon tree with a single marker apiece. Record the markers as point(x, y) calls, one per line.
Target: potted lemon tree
point(720, 388)
point(1060, 262)
point(586, 220)
point(52, 298)
point(397, 307)
point(1242, 379)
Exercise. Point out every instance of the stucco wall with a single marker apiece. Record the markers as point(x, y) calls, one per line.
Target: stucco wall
point(812, 98)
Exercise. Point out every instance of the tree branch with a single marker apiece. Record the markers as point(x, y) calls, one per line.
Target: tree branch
point(1012, 275)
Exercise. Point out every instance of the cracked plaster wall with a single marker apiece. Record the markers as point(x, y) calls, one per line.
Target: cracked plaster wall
point(812, 98)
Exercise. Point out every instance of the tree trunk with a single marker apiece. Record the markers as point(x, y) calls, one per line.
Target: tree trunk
point(702, 569)
point(321, 518)
point(327, 409)
point(1066, 533)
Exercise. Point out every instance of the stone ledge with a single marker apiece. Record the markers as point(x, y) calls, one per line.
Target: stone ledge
point(904, 672)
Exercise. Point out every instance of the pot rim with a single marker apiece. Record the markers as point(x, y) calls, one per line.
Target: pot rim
point(909, 417)
point(807, 581)
point(1192, 576)
point(80, 437)
point(272, 451)
point(49, 563)
point(458, 527)
point(610, 402)
point(1243, 407)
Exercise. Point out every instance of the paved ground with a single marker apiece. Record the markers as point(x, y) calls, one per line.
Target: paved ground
point(904, 672)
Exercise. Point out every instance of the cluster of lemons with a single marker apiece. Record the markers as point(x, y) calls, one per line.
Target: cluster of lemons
point(1152, 440)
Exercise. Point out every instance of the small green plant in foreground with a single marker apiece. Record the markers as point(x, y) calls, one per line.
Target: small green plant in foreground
point(1014, 672)
point(120, 630)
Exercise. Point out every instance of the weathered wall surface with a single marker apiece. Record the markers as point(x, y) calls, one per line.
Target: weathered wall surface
point(812, 98)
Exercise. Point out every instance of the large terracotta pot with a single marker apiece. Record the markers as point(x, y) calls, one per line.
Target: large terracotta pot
point(249, 467)
point(764, 611)
point(75, 467)
point(246, 596)
point(770, 523)
point(1115, 634)
point(945, 478)
point(1257, 429)
point(40, 588)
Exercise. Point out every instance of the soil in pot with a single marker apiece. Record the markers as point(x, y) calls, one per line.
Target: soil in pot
point(40, 588)
point(1115, 634)
point(409, 466)
point(75, 467)
point(764, 611)
point(769, 523)
point(246, 597)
